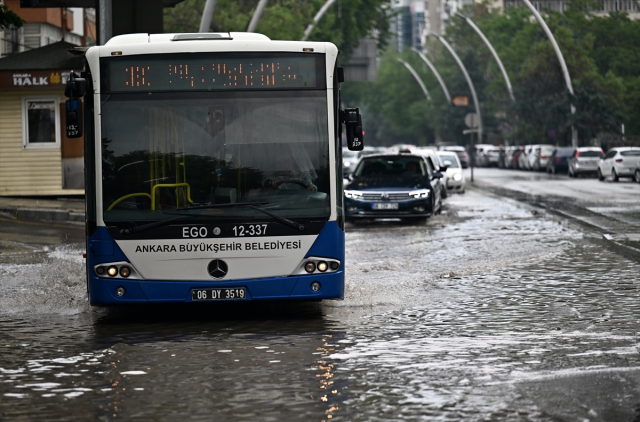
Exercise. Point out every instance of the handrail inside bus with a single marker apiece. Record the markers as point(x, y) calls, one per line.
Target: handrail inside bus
point(117, 201)
point(169, 185)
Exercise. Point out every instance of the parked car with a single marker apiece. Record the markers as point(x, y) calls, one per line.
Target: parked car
point(559, 160)
point(619, 162)
point(350, 160)
point(514, 162)
point(539, 156)
point(437, 164)
point(523, 159)
point(481, 158)
point(492, 156)
point(461, 153)
point(455, 178)
point(584, 160)
point(402, 186)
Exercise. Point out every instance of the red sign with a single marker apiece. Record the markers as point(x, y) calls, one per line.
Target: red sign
point(460, 101)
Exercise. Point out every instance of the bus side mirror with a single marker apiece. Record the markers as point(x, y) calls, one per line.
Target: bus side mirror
point(74, 90)
point(73, 117)
point(353, 121)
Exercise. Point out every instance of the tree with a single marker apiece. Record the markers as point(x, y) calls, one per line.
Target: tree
point(9, 18)
point(344, 24)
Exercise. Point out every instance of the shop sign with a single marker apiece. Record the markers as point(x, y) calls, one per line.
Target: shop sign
point(34, 78)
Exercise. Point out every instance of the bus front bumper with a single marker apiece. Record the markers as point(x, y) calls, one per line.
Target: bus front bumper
point(102, 291)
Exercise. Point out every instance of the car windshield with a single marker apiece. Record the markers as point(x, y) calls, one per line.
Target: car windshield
point(178, 150)
point(391, 166)
point(546, 150)
point(590, 154)
point(451, 159)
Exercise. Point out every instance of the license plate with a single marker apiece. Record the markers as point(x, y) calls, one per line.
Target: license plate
point(231, 293)
point(385, 206)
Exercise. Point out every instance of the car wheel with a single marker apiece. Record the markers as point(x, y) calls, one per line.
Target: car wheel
point(637, 176)
point(444, 193)
point(614, 175)
point(600, 176)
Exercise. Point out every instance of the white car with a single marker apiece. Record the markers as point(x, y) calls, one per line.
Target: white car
point(619, 162)
point(523, 160)
point(455, 178)
point(481, 157)
point(539, 156)
point(350, 160)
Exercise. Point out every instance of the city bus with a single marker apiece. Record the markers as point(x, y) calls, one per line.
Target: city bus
point(213, 168)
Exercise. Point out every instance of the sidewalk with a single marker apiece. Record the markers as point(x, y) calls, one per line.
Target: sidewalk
point(70, 210)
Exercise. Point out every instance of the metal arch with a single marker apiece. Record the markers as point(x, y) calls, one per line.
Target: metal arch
point(207, 15)
point(316, 18)
point(415, 75)
point(253, 24)
point(435, 72)
point(563, 64)
point(469, 81)
point(493, 52)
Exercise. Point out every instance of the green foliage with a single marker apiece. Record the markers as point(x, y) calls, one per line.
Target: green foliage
point(601, 55)
point(344, 24)
point(8, 18)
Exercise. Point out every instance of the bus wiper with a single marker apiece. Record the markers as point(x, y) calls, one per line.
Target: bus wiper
point(252, 205)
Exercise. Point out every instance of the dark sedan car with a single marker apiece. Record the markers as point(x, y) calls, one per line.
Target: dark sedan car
point(559, 160)
point(393, 186)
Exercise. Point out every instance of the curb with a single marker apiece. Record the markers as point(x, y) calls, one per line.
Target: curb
point(612, 241)
point(45, 214)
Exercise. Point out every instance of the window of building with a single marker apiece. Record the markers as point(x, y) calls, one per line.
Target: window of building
point(41, 122)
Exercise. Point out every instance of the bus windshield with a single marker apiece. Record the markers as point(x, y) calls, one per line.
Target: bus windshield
point(164, 151)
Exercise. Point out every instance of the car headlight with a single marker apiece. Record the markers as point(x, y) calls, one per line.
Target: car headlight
point(457, 177)
point(422, 193)
point(347, 163)
point(352, 194)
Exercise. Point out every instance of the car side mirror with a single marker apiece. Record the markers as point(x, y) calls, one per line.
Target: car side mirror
point(438, 175)
point(352, 119)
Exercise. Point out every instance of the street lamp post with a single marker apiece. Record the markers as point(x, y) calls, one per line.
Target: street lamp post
point(253, 24)
point(469, 82)
point(435, 72)
point(563, 64)
point(207, 15)
point(417, 77)
point(316, 18)
point(492, 50)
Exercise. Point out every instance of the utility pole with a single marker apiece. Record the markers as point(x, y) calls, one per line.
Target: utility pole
point(106, 23)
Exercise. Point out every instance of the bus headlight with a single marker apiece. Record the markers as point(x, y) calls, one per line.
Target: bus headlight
point(352, 194)
point(112, 271)
point(322, 266)
point(417, 194)
point(310, 267)
point(125, 271)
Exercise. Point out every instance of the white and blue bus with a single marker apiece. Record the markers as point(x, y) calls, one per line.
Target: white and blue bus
point(213, 168)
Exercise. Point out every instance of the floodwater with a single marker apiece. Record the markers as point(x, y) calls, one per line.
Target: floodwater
point(491, 311)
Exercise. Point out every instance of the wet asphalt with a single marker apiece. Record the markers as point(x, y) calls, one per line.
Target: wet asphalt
point(497, 309)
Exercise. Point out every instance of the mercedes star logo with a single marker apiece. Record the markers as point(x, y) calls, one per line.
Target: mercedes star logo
point(217, 269)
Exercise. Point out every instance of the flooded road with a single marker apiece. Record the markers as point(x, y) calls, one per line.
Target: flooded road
point(493, 310)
